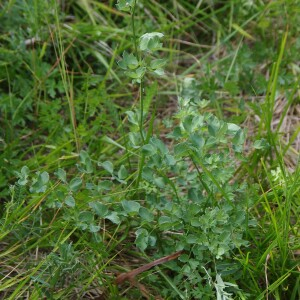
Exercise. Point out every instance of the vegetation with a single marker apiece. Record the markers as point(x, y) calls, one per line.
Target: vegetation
point(149, 149)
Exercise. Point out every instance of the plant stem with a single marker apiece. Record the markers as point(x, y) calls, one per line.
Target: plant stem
point(141, 162)
point(133, 30)
point(139, 58)
point(142, 111)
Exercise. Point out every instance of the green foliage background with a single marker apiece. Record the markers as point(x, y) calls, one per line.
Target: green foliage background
point(130, 132)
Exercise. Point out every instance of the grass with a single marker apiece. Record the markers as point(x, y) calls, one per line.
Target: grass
point(100, 175)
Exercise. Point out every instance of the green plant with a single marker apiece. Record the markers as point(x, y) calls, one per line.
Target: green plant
point(189, 204)
point(114, 172)
point(185, 201)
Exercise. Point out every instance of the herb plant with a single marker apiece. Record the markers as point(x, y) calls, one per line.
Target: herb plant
point(124, 142)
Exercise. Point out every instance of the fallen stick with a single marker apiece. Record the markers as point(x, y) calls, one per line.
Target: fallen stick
point(130, 275)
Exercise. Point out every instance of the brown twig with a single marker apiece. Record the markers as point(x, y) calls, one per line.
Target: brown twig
point(130, 275)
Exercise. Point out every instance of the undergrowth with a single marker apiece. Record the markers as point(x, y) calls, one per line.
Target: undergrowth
point(134, 130)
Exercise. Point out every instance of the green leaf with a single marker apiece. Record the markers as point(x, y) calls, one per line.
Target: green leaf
point(125, 5)
point(133, 117)
point(147, 174)
point(100, 209)
point(181, 149)
point(94, 228)
point(160, 182)
point(157, 63)
point(44, 177)
point(152, 240)
point(148, 150)
point(194, 264)
point(170, 160)
point(108, 166)
point(83, 155)
point(233, 128)
point(157, 66)
point(75, 184)
point(25, 171)
point(104, 185)
point(159, 72)
point(113, 217)
point(151, 41)
point(239, 137)
point(159, 145)
point(39, 184)
point(23, 181)
point(86, 161)
point(197, 140)
point(23, 176)
point(164, 220)
point(191, 239)
point(176, 134)
point(122, 173)
point(146, 215)
point(86, 216)
point(184, 258)
point(165, 223)
point(188, 123)
point(131, 206)
point(129, 61)
point(137, 74)
point(211, 141)
point(135, 139)
point(70, 201)
point(195, 222)
point(142, 238)
point(82, 226)
point(261, 144)
point(61, 175)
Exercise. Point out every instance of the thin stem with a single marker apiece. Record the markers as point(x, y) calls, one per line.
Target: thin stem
point(142, 160)
point(133, 30)
point(142, 111)
point(141, 84)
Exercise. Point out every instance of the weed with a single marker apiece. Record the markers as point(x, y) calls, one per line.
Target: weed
point(133, 130)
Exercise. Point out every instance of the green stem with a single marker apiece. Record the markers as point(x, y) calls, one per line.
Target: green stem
point(142, 160)
point(139, 58)
point(133, 30)
point(142, 111)
point(139, 177)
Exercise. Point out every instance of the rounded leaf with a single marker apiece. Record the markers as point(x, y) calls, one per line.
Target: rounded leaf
point(131, 206)
point(75, 184)
point(70, 201)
